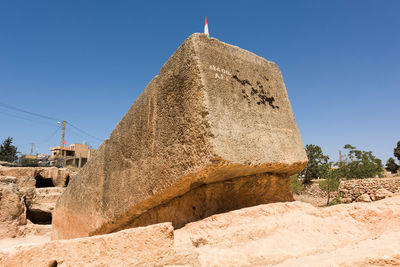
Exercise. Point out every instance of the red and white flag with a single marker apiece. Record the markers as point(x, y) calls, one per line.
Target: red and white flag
point(206, 29)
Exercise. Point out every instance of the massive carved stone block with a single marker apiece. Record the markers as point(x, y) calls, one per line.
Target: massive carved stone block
point(214, 131)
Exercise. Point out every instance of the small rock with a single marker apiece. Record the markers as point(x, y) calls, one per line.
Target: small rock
point(8, 179)
point(364, 198)
point(382, 193)
point(346, 200)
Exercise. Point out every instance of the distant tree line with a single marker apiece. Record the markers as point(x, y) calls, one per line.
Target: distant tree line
point(8, 152)
point(355, 164)
point(391, 165)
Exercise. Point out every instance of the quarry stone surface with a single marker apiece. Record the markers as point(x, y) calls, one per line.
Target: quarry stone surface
point(26, 175)
point(12, 208)
point(276, 234)
point(216, 121)
point(25, 209)
point(149, 246)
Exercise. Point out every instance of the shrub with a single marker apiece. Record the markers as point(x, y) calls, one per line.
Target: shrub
point(296, 185)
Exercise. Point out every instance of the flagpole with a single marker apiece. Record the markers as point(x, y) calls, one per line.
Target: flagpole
point(206, 28)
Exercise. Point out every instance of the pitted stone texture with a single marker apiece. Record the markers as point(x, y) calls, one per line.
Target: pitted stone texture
point(45, 199)
point(276, 234)
point(24, 175)
point(12, 208)
point(214, 113)
point(150, 246)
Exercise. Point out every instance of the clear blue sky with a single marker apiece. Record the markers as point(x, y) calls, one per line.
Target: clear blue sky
point(87, 61)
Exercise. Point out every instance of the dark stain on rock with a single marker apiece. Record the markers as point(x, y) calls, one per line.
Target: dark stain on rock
point(264, 99)
point(260, 85)
point(262, 95)
point(246, 96)
point(243, 82)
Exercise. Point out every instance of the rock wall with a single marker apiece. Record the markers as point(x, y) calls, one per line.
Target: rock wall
point(59, 176)
point(214, 117)
point(28, 196)
point(12, 208)
point(22, 206)
point(367, 190)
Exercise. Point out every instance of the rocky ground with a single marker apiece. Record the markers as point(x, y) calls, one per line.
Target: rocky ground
point(27, 199)
point(313, 195)
point(278, 234)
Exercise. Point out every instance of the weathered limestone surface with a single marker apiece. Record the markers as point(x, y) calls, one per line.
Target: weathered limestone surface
point(276, 234)
point(12, 207)
point(213, 131)
point(45, 199)
point(41, 206)
point(22, 205)
point(149, 246)
point(58, 176)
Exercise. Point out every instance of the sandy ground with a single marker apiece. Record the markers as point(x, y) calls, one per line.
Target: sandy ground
point(32, 239)
point(315, 201)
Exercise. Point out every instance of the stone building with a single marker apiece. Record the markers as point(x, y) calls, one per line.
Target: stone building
point(75, 155)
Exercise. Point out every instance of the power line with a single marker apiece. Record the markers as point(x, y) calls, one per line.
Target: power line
point(82, 131)
point(43, 141)
point(45, 117)
point(28, 112)
point(24, 118)
point(51, 135)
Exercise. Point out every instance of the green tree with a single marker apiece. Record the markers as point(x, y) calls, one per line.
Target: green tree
point(396, 151)
point(26, 162)
point(330, 184)
point(391, 165)
point(8, 152)
point(359, 164)
point(318, 164)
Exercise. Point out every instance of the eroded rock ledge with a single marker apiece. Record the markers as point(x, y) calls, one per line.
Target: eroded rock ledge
point(278, 234)
point(208, 199)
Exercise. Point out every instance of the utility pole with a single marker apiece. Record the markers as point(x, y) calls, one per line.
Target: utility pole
point(31, 149)
point(62, 134)
point(62, 141)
